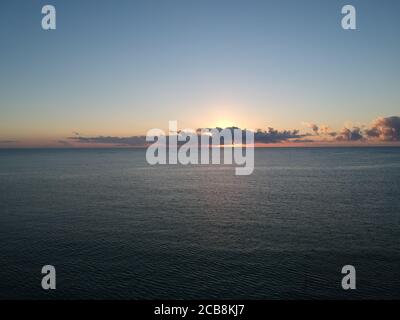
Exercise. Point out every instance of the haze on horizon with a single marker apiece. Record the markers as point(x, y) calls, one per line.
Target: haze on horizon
point(117, 71)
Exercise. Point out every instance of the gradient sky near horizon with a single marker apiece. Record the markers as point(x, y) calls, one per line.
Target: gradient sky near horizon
point(122, 67)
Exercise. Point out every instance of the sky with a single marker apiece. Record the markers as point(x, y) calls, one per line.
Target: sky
point(120, 68)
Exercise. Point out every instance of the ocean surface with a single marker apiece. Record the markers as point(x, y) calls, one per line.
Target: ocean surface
point(116, 228)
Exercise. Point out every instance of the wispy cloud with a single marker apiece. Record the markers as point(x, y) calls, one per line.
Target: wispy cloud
point(312, 126)
point(119, 141)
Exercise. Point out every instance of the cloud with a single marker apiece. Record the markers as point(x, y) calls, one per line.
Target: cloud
point(320, 130)
point(386, 129)
point(8, 141)
point(326, 131)
point(302, 141)
point(346, 134)
point(119, 141)
point(314, 127)
point(275, 136)
point(269, 136)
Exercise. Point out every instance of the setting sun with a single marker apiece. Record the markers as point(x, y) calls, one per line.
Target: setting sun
point(224, 123)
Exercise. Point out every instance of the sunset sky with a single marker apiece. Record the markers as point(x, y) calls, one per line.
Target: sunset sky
point(120, 68)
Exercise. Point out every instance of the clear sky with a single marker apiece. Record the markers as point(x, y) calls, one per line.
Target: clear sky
point(121, 67)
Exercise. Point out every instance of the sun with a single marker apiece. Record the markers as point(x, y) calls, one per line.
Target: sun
point(224, 123)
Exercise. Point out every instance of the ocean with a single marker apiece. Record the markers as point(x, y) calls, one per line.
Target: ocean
point(116, 228)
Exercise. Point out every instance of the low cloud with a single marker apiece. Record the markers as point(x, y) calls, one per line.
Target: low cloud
point(326, 131)
point(314, 127)
point(383, 129)
point(386, 129)
point(268, 136)
point(346, 134)
point(135, 141)
point(275, 136)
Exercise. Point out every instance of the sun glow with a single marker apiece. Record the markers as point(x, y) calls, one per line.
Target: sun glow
point(224, 123)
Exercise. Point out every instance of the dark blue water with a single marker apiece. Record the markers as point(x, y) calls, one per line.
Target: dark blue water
point(117, 228)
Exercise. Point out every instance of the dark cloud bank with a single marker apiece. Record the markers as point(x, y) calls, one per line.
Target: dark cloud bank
point(383, 129)
point(118, 141)
point(269, 136)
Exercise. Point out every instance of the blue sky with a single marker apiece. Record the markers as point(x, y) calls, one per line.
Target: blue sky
point(123, 67)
